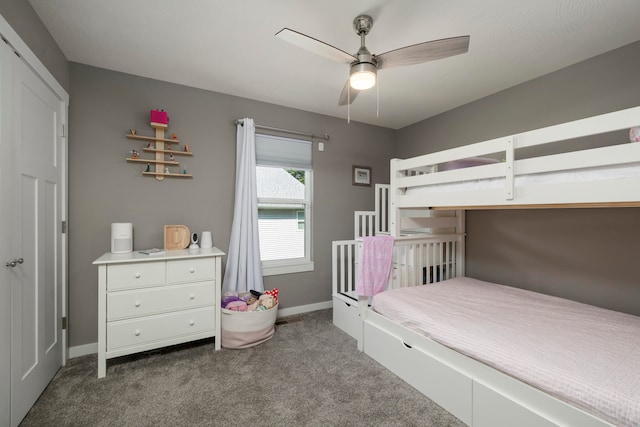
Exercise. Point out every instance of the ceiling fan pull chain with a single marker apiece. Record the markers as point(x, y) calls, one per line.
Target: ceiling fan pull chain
point(349, 104)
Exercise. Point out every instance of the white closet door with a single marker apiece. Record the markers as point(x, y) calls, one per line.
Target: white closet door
point(36, 284)
point(6, 159)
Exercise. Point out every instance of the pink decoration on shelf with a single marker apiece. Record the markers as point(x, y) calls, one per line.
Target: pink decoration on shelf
point(159, 116)
point(634, 134)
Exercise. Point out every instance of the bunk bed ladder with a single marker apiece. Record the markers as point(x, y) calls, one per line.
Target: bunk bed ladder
point(364, 224)
point(432, 253)
point(382, 208)
point(344, 266)
point(376, 222)
point(344, 270)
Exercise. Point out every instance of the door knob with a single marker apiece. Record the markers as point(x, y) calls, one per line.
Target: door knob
point(15, 262)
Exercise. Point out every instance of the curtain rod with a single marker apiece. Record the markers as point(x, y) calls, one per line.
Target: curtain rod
point(293, 132)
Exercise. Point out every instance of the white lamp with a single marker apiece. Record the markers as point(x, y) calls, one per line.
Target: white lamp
point(362, 76)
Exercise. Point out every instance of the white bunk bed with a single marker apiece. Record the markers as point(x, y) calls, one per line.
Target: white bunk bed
point(605, 176)
point(417, 259)
point(476, 393)
point(431, 251)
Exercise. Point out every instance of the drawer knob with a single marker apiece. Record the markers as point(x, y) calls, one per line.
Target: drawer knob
point(137, 332)
point(138, 275)
point(192, 296)
point(192, 322)
point(192, 270)
point(137, 304)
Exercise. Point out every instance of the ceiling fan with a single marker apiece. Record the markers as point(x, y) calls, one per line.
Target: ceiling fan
point(364, 65)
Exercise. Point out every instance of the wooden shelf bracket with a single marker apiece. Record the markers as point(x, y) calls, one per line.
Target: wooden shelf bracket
point(160, 149)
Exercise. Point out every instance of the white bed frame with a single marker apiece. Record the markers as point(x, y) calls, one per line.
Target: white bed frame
point(415, 172)
point(477, 394)
point(417, 259)
point(473, 392)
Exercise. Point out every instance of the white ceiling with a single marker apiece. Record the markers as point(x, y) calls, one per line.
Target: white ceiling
point(229, 46)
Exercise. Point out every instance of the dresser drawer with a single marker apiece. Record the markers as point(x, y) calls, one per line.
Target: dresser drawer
point(133, 332)
point(190, 270)
point(143, 302)
point(135, 275)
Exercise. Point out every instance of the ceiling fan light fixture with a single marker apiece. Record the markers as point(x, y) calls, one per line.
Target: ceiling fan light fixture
point(362, 76)
point(364, 66)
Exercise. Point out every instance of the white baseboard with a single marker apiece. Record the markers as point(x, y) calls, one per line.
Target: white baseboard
point(300, 309)
point(83, 350)
point(92, 348)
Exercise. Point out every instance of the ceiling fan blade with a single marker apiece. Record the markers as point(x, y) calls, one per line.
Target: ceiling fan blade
point(423, 52)
point(345, 96)
point(314, 45)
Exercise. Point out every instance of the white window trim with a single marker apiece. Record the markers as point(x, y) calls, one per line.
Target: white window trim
point(274, 268)
point(294, 265)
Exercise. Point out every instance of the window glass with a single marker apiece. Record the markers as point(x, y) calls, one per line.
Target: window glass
point(284, 177)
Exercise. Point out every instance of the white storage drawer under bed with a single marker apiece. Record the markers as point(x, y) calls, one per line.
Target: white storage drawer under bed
point(485, 402)
point(445, 385)
point(346, 316)
point(477, 394)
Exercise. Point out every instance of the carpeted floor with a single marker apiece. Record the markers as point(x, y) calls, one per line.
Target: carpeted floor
point(309, 374)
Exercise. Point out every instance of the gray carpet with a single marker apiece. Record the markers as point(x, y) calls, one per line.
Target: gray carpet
point(309, 374)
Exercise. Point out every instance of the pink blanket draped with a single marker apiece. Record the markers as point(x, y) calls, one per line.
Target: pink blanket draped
point(375, 265)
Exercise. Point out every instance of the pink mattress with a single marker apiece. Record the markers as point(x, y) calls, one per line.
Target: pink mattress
point(584, 355)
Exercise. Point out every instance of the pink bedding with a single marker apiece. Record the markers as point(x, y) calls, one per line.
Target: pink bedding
point(584, 355)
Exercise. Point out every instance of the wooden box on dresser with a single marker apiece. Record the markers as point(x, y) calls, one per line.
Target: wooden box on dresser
point(152, 301)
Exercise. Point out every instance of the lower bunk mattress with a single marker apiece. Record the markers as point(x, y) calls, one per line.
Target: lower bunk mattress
point(584, 355)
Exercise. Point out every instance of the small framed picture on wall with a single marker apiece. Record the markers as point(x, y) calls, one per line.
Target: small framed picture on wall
point(362, 175)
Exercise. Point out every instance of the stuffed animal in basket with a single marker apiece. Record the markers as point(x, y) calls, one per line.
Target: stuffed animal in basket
point(237, 306)
point(245, 296)
point(254, 300)
point(266, 301)
point(229, 297)
point(251, 306)
point(274, 293)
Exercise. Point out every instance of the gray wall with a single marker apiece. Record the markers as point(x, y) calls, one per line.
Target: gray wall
point(581, 254)
point(104, 188)
point(24, 20)
point(584, 254)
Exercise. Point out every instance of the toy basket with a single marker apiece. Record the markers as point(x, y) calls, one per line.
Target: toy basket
point(243, 329)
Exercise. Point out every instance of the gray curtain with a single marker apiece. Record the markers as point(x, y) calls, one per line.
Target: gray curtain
point(244, 270)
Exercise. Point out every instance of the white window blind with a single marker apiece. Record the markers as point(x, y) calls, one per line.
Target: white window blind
point(283, 152)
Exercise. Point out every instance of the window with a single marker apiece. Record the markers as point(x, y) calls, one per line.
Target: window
point(284, 183)
point(300, 216)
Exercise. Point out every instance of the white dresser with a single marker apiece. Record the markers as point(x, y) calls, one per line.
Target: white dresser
point(151, 301)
